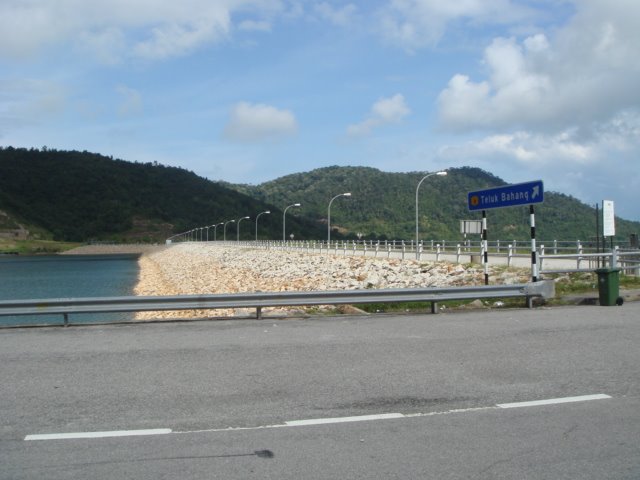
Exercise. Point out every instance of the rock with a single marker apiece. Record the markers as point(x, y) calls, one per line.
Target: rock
point(209, 268)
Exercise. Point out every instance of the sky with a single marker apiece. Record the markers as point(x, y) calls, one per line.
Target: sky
point(247, 91)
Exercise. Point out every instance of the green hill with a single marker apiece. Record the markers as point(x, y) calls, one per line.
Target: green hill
point(382, 205)
point(82, 196)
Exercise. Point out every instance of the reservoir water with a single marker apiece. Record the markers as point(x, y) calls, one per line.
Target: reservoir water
point(66, 276)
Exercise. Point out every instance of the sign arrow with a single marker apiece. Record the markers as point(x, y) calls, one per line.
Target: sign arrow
point(536, 192)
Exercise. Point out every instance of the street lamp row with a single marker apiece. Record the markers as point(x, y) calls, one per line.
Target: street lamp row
point(190, 234)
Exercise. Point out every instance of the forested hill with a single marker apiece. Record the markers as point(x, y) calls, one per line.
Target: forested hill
point(383, 205)
point(81, 196)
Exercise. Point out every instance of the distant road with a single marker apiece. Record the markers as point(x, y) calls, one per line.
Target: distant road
point(416, 396)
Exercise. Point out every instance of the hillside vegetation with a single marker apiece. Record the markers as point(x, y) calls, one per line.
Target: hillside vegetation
point(82, 196)
point(382, 205)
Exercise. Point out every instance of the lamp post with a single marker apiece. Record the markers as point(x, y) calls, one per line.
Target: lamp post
point(238, 227)
point(215, 227)
point(257, 217)
point(348, 194)
point(441, 173)
point(284, 239)
point(224, 230)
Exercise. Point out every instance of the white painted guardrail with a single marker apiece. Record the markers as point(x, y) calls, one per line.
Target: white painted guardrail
point(259, 300)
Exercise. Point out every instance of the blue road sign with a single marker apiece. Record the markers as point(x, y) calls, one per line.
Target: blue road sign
point(507, 196)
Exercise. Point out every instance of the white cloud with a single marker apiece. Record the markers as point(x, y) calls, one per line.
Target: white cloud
point(414, 24)
point(257, 122)
point(586, 73)
point(113, 28)
point(383, 112)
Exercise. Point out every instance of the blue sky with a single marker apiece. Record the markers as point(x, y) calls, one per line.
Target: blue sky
point(250, 90)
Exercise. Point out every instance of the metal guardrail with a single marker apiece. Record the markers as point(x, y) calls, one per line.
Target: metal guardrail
point(66, 306)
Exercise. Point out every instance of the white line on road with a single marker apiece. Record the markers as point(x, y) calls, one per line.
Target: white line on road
point(554, 401)
point(117, 433)
point(316, 421)
point(360, 418)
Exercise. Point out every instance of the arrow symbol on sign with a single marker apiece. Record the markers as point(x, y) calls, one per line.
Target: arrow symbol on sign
point(536, 192)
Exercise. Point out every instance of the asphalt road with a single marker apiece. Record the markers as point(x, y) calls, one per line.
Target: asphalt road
point(403, 397)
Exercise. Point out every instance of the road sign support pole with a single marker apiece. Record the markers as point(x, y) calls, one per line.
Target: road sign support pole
point(485, 248)
point(534, 260)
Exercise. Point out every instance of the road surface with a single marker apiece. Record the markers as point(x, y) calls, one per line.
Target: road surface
point(418, 396)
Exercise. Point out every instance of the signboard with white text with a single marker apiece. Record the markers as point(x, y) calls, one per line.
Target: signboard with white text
point(506, 196)
point(608, 219)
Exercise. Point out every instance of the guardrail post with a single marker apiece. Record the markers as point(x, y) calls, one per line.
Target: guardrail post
point(434, 307)
point(377, 248)
point(365, 248)
point(614, 257)
point(66, 319)
point(555, 247)
point(259, 313)
point(388, 250)
point(437, 252)
point(404, 249)
point(509, 255)
point(579, 253)
point(497, 246)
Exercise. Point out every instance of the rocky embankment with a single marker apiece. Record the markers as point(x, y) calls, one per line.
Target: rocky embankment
point(207, 269)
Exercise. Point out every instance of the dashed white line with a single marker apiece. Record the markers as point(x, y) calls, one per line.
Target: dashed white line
point(554, 401)
point(116, 433)
point(360, 418)
point(315, 421)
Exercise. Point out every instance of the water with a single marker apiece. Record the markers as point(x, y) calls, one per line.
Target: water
point(66, 276)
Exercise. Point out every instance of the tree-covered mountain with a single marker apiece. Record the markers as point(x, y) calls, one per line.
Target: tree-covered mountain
point(80, 196)
point(382, 205)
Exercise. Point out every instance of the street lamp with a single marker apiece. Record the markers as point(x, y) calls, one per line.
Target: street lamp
point(257, 217)
point(238, 227)
point(215, 227)
point(224, 230)
point(284, 239)
point(441, 174)
point(348, 194)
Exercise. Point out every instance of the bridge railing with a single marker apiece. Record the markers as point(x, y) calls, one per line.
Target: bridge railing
point(260, 300)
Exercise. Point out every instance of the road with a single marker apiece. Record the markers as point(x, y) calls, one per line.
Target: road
point(416, 396)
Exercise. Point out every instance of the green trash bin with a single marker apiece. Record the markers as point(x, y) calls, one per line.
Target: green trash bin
point(609, 286)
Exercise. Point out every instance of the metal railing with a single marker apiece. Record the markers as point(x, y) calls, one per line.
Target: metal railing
point(67, 306)
point(585, 256)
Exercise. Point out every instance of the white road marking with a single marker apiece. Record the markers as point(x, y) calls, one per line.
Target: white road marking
point(360, 418)
point(117, 433)
point(316, 421)
point(554, 401)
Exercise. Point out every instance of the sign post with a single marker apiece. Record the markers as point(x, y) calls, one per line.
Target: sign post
point(528, 193)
